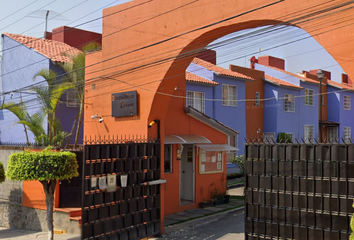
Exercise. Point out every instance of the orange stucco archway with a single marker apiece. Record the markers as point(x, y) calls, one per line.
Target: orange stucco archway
point(144, 45)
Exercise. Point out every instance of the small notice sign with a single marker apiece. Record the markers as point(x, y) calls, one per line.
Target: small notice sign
point(102, 182)
point(93, 182)
point(123, 180)
point(111, 183)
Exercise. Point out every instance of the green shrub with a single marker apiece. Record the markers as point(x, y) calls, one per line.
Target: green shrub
point(240, 162)
point(234, 175)
point(42, 166)
point(47, 167)
point(284, 138)
point(2, 173)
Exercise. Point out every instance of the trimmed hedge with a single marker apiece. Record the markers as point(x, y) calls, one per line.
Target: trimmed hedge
point(43, 166)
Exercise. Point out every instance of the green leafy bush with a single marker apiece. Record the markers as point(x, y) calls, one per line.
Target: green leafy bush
point(284, 138)
point(42, 166)
point(239, 161)
point(47, 167)
point(2, 173)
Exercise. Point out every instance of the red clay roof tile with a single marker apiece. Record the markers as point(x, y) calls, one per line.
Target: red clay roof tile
point(51, 49)
point(220, 70)
point(295, 75)
point(280, 82)
point(195, 78)
point(340, 85)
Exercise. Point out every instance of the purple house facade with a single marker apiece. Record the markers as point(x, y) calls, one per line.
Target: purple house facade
point(217, 92)
point(340, 111)
point(22, 58)
point(291, 104)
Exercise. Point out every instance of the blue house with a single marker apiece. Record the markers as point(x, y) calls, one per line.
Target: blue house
point(217, 92)
point(291, 104)
point(340, 112)
point(22, 58)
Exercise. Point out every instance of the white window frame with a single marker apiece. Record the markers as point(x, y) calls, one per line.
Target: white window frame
point(287, 101)
point(269, 137)
point(232, 154)
point(72, 99)
point(258, 99)
point(332, 134)
point(192, 100)
point(347, 134)
point(346, 102)
point(171, 150)
point(309, 136)
point(309, 97)
point(231, 98)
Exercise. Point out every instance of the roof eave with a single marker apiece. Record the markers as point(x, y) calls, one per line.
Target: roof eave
point(203, 83)
point(279, 85)
point(209, 121)
point(238, 78)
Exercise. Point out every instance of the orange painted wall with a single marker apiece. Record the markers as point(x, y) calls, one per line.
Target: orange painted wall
point(254, 114)
point(150, 53)
point(33, 195)
point(144, 55)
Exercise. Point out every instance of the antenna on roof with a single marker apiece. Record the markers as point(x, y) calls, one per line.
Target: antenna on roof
point(39, 14)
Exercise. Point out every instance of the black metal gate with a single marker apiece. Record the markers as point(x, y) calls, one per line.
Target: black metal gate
point(70, 191)
point(299, 191)
point(111, 209)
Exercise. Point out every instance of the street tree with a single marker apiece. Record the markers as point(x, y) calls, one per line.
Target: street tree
point(48, 167)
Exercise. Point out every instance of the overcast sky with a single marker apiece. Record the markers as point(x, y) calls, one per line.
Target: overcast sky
point(27, 17)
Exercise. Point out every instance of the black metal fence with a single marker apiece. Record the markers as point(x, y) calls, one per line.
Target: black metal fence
point(298, 191)
point(130, 211)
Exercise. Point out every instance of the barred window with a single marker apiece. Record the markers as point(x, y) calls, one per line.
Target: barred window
point(308, 133)
point(346, 102)
point(258, 99)
point(72, 99)
point(309, 99)
point(289, 103)
point(332, 133)
point(269, 137)
point(347, 134)
point(196, 100)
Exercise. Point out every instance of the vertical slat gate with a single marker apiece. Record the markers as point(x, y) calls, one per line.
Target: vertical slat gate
point(298, 191)
point(131, 212)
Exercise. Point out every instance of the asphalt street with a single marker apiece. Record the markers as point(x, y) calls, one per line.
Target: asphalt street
point(229, 226)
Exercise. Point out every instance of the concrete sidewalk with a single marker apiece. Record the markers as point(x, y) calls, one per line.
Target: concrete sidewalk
point(20, 234)
point(172, 222)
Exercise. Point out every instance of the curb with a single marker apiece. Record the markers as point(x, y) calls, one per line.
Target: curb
point(200, 220)
point(236, 185)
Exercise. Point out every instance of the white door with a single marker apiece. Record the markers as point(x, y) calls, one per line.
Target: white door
point(187, 173)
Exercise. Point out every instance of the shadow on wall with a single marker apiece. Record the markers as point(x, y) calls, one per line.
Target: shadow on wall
point(23, 217)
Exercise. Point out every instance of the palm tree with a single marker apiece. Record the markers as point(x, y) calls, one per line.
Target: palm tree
point(49, 97)
point(75, 73)
point(20, 111)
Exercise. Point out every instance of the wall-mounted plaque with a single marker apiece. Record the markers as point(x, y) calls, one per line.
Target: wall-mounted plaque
point(102, 182)
point(124, 104)
point(111, 183)
point(123, 180)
